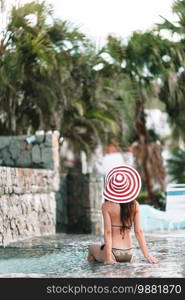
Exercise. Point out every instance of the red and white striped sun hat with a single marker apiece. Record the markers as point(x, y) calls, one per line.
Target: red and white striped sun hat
point(122, 184)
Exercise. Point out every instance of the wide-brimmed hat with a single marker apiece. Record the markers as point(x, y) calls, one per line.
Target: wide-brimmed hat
point(122, 184)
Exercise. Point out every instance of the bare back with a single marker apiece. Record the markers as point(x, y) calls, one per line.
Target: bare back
point(113, 238)
point(119, 240)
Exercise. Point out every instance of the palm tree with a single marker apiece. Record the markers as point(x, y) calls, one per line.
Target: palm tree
point(138, 60)
point(146, 65)
point(172, 89)
point(175, 165)
point(141, 59)
point(118, 89)
point(27, 61)
point(48, 81)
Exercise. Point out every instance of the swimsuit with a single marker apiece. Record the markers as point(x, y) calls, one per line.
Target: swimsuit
point(122, 227)
point(121, 255)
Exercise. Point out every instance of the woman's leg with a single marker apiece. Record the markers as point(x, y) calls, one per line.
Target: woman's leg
point(95, 253)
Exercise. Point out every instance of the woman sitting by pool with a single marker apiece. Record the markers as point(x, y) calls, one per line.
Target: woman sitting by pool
point(120, 211)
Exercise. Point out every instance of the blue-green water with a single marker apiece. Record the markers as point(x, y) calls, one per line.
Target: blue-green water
point(64, 255)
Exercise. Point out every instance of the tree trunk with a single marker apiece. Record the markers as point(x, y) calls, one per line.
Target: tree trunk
point(143, 140)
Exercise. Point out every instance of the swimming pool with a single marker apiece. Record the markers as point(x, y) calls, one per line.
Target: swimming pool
point(64, 255)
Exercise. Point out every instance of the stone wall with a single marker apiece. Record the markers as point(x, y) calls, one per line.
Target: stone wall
point(36, 151)
point(34, 200)
point(61, 206)
point(27, 196)
point(84, 200)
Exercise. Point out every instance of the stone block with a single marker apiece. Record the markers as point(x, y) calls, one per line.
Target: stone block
point(23, 144)
point(36, 154)
point(17, 190)
point(20, 177)
point(24, 160)
point(48, 140)
point(47, 159)
point(4, 141)
point(6, 190)
point(1, 190)
point(7, 158)
point(9, 178)
point(14, 149)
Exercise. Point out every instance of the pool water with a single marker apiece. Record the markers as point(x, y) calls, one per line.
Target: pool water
point(64, 255)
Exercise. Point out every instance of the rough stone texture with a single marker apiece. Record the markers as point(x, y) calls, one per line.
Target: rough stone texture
point(96, 200)
point(36, 154)
point(84, 199)
point(26, 215)
point(22, 180)
point(36, 151)
point(27, 196)
point(61, 206)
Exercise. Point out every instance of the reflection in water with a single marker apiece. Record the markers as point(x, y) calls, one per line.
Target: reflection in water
point(64, 255)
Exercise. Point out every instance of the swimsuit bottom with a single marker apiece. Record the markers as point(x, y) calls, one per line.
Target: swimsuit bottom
point(122, 255)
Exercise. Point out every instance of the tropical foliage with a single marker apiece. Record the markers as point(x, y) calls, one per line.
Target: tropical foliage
point(52, 77)
point(172, 91)
point(48, 81)
point(136, 59)
point(176, 169)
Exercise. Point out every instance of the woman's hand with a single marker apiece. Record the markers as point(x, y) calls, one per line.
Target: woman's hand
point(110, 261)
point(151, 259)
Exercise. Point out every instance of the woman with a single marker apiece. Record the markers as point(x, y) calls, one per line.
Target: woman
point(120, 212)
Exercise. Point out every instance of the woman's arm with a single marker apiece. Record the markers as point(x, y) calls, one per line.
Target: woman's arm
point(140, 236)
point(107, 234)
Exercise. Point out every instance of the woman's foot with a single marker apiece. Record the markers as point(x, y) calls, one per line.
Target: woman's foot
point(90, 258)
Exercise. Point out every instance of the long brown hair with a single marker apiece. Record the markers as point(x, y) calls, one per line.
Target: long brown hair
point(127, 213)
